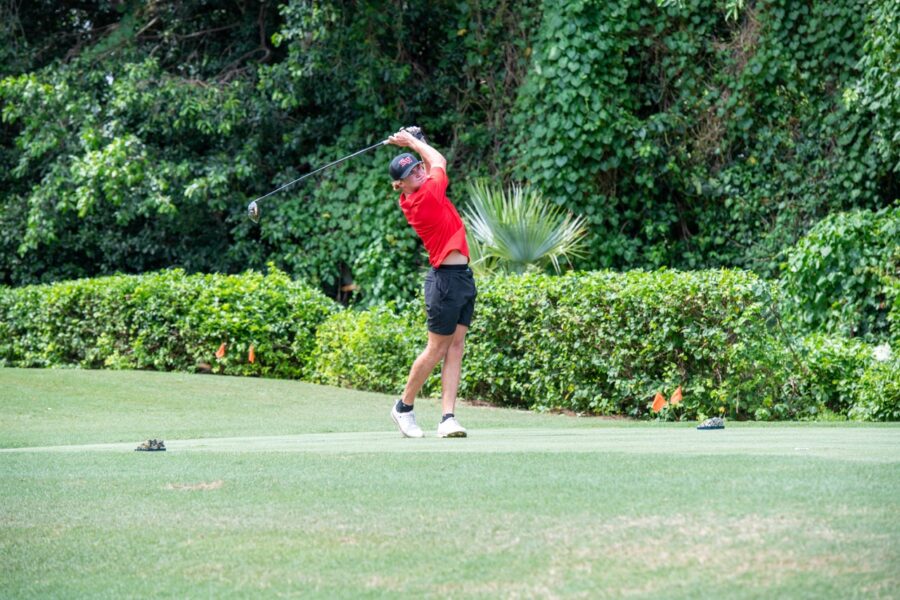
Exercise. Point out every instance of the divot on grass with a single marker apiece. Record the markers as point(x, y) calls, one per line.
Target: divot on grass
point(192, 487)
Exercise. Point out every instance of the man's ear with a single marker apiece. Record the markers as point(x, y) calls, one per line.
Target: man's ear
point(395, 185)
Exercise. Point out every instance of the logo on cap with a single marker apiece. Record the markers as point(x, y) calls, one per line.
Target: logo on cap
point(402, 164)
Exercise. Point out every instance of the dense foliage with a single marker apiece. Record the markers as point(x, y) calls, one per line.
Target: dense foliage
point(131, 170)
point(371, 350)
point(139, 146)
point(844, 276)
point(846, 378)
point(605, 343)
point(690, 134)
point(692, 140)
point(594, 343)
point(165, 321)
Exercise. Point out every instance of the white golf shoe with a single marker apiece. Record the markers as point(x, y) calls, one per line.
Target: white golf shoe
point(451, 428)
point(407, 423)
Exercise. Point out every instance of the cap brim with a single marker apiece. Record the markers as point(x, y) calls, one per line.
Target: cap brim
point(408, 170)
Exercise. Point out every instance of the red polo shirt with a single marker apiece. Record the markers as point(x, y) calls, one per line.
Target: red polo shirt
point(435, 219)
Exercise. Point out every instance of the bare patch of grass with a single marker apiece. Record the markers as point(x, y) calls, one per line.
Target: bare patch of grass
point(193, 487)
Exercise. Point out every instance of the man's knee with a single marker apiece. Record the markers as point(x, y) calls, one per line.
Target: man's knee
point(459, 339)
point(457, 345)
point(437, 346)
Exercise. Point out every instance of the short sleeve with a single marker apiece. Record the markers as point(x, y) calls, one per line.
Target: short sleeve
point(438, 177)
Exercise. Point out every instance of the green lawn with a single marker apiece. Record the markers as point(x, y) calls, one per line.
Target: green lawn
point(278, 488)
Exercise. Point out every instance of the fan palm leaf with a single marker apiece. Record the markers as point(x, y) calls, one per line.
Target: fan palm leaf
point(517, 229)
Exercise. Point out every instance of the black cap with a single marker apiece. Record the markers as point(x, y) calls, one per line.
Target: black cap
point(402, 165)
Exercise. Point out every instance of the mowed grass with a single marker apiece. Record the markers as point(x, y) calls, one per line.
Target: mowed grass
point(284, 489)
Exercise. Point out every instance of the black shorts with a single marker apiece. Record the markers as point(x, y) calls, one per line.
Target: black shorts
point(449, 298)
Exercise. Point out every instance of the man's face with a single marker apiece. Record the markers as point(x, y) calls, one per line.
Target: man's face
point(413, 181)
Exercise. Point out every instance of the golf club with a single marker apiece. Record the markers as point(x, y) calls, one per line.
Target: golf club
point(253, 208)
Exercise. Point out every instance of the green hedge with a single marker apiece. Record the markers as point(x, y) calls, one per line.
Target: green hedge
point(878, 392)
point(372, 349)
point(598, 343)
point(167, 321)
point(843, 378)
point(602, 343)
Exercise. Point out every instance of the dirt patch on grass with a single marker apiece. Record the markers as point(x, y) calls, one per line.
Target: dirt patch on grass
point(678, 554)
point(734, 549)
point(194, 487)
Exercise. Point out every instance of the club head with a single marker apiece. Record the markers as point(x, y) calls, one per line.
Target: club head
point(253, 212)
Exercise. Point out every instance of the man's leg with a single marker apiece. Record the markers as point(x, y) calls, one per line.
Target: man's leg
point(451, 370)
point(434, 352)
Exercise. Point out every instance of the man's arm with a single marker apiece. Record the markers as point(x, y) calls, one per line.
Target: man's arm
point(431, 157)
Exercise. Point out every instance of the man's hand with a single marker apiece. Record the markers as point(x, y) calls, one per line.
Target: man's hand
point(431, 157)
point(403, 138)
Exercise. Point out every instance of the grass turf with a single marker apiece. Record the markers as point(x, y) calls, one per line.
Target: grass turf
point(287, 489)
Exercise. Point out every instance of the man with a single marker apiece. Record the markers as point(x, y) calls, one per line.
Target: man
point(449, 285)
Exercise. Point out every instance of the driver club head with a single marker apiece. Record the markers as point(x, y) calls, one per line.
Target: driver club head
point(253, 212)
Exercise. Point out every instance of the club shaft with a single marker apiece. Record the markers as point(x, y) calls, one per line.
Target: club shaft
point(331, 164)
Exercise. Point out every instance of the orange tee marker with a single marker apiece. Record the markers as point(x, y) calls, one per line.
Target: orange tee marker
point(658, 402)
point(221, 351)
point(252, 356)
point(675, 400)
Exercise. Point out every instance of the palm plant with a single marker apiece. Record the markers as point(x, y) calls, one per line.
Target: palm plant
point(516, 229)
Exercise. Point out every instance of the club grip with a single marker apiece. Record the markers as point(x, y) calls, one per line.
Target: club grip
point(416, 132)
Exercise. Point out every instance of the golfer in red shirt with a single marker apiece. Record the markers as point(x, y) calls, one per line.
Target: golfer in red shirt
point(449, 285)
